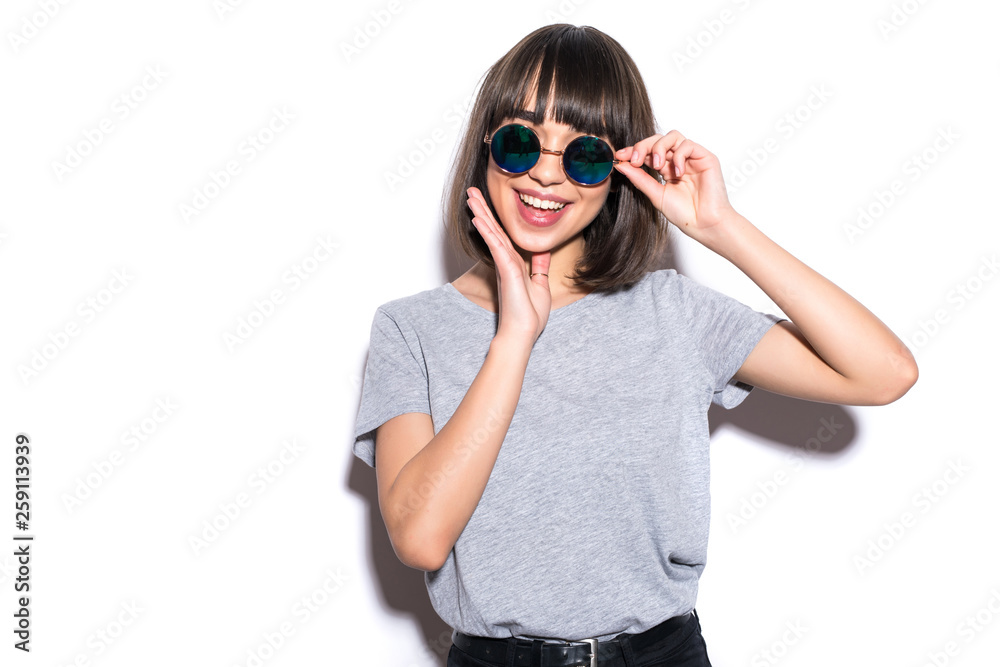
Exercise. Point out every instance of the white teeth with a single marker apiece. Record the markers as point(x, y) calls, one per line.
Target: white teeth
point(544, 204)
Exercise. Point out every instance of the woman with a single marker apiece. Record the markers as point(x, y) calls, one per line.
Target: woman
point(538, 427)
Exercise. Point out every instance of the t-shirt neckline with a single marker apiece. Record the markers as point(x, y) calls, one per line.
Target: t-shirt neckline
point(484, 312)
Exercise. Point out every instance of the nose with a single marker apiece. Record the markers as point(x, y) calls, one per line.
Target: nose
point(548, 170)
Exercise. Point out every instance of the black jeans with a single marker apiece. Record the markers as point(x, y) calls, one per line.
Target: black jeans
point(685, 647)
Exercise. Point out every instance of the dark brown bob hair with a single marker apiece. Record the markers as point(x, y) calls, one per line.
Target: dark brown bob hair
point(595, 87)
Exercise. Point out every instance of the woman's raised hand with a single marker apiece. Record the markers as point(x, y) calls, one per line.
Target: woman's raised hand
point(525, 300)
point(694, 195)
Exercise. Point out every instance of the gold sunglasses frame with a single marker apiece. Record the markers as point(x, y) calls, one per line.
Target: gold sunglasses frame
point(489, 138)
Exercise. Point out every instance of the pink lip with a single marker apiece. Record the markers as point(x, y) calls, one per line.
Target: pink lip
point(538, 219)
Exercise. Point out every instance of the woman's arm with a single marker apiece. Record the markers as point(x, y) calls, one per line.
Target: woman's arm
point(834, 349)
point(429, 485)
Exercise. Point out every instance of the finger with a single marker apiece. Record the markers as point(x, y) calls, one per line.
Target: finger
point(681, 153)
point(505, 256)
point(476, 199)
point(477, 202)
point(477, 208)
point(487, 227)
point(506, 261)
point(673, 163)
point(476, 196)
point(637, 152)
point(646, 184)
point(489, 236)
point(642, 151)
point(688, 151)
point(661, 153)
point(540, 266)
point(493, 237)
point(480, 209)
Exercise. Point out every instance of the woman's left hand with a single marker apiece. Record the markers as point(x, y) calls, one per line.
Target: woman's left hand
point(694, 195)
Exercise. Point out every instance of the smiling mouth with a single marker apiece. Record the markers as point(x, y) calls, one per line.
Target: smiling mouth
point(540, 204)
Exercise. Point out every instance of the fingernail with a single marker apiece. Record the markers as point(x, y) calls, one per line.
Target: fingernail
point(656, 161)
point(635, 156)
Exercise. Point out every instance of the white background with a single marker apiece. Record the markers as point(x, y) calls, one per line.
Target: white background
point(122, 539)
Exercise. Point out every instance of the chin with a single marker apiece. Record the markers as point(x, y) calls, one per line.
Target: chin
point(538, 245)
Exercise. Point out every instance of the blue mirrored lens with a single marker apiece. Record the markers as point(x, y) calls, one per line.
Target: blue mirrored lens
point(588, 160)
point(515, 148)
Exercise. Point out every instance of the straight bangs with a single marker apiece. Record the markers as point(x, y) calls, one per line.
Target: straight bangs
point(569, 73)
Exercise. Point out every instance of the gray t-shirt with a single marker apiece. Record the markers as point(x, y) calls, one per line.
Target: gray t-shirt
point(595, 518)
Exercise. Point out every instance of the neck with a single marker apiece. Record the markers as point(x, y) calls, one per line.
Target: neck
point(562, 263)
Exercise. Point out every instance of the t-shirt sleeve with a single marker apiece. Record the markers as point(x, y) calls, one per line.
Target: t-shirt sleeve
point(395, 383)
point(724, 332)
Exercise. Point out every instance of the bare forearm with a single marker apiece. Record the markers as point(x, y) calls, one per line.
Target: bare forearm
point(848, 337)
point(438, 490)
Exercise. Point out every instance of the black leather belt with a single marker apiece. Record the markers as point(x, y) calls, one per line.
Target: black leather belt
point(575, 653)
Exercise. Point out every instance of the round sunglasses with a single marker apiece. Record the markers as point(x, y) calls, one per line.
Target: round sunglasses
point(587, 160)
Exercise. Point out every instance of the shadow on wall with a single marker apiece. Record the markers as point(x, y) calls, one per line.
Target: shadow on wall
point(805, 427)
point(401, 588)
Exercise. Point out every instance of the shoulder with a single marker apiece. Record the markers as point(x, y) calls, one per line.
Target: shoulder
point(661, 285)
point(646, 292)
point(674, 296)
point(669, 284)
point(661, 277)
point(408, 307)
point(403, 322)
point(670, 279)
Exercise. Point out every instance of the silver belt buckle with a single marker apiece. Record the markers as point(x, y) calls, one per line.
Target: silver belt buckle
point(593, 650)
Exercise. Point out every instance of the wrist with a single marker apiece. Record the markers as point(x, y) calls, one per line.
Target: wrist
point(512, 347)
point(729, 236)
